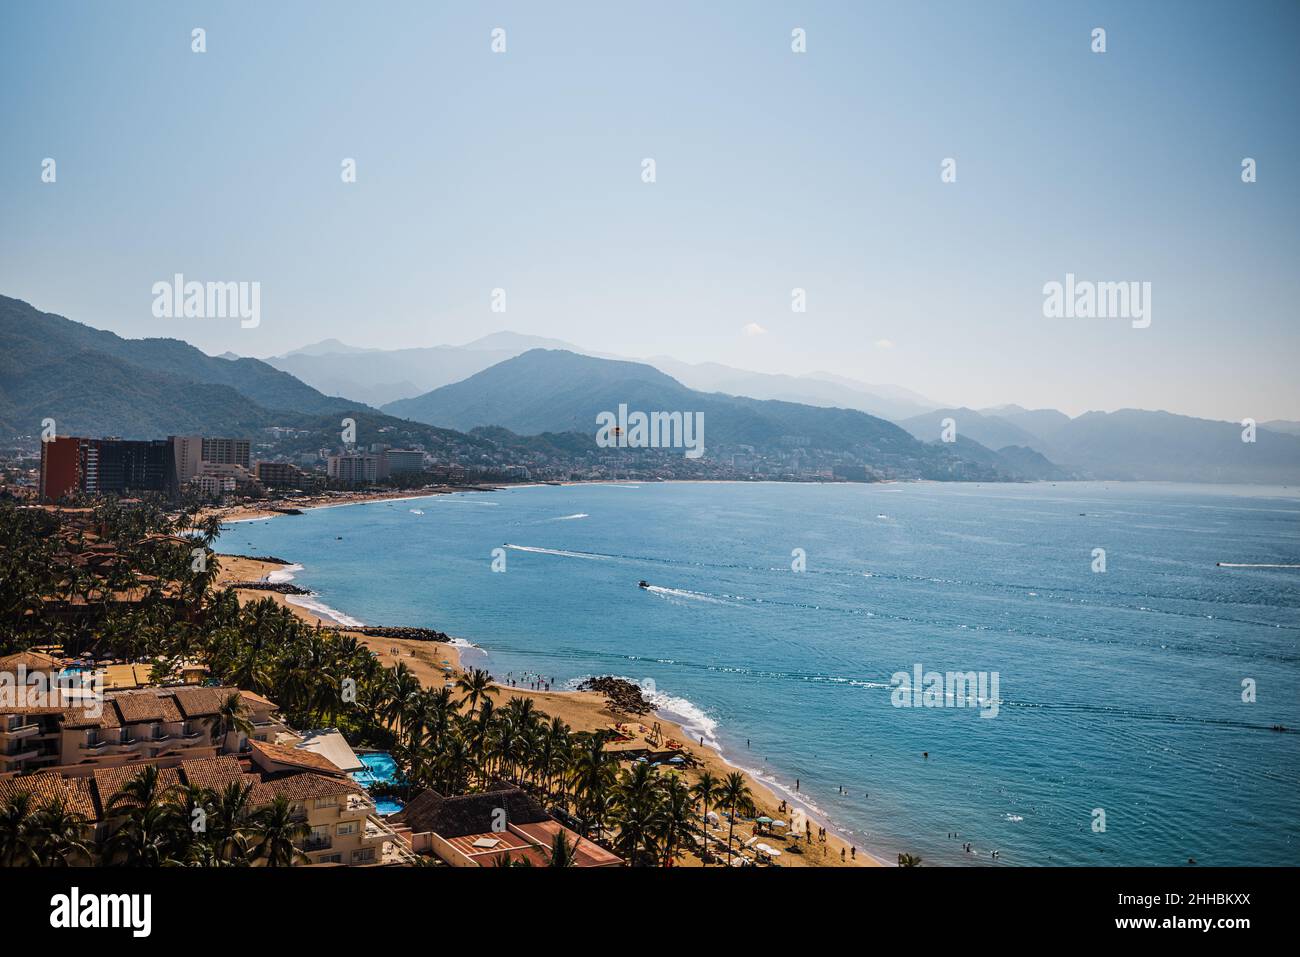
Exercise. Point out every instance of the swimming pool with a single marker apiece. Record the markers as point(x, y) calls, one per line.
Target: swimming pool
point(380, 769)
point(385, 806)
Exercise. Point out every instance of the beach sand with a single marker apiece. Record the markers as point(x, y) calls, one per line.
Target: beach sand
point(581, 710)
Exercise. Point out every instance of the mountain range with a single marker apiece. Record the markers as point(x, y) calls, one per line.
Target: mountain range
point(383, 376)
point(506, 394)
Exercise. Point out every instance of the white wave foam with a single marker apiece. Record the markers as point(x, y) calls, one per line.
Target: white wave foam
point(284, 574)
point(691, 717)
point(318, 607)
point(417, 511)
point(570, 518)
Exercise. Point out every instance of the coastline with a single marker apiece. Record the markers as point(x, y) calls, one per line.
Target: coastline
point(581, 710)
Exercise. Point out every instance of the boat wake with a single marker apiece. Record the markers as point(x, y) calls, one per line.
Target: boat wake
point(559, 552)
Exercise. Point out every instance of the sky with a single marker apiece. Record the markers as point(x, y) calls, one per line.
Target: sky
point(774, 170)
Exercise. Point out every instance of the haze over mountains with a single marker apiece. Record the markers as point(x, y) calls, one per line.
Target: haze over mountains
point(510, 387)
point(383, 376)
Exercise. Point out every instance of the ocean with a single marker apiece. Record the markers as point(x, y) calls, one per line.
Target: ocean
point(1129, 699)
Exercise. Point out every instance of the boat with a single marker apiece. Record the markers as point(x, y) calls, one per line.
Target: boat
point(643, 584)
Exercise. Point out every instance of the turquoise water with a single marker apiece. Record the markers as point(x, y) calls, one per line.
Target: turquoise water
point(380, 769)
point(1119, 691)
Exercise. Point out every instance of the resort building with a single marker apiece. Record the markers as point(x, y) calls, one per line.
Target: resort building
point(125, 728)
point(72, 465)
point(485, 829)
point(192, 451)
point(399, 461)
point(280, 475)
point(334, 809)
point(354, 468)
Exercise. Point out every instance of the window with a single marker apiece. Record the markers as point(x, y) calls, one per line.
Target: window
point(363, 856)
point(347, 827)
point(330, 859)
point(327, 802)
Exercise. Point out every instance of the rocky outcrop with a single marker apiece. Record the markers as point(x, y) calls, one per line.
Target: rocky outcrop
point(620, 695)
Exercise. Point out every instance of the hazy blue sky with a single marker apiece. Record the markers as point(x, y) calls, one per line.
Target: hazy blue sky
point(775, 170)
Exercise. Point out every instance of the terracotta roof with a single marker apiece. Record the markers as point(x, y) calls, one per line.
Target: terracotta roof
point(302, 786)
point(295, 757)
point(214, 773)
point(257, 699)
point(30, 660)
point(45, 787)
point(201, 702)
point(468, 813)
point(586, 854)
point(501, 842)
point(109, 782)
point(141, 706)
point(81, 716)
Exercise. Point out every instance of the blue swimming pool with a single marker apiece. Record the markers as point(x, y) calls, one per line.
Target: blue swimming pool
point(380, 769)
point(387, 806)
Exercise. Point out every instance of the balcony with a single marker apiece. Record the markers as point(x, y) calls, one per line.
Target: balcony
point(17, 756)
point(96, 747)
point(318, 842)
point(18, 731)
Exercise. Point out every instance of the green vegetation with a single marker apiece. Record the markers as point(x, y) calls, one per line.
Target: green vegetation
point(454, 743)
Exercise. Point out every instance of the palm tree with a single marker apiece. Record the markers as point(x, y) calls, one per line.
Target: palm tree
point(594, 775)
point(227, 822)
point(150, 826)
point(476, 684)
point(638, 810)
point(738, 799)
point(909, 860)
point(62, 835)
point(279, 834)
point(231, 716)
point(674, 816)
point(19, 839)
point(706, 792)
point(562, 853)
point(209, 529)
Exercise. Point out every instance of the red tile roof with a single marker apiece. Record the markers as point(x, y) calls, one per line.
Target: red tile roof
point(45, 787)
point(295, 757)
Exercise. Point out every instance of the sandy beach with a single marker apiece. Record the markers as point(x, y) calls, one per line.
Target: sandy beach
point(273, 507)
point(581, 710)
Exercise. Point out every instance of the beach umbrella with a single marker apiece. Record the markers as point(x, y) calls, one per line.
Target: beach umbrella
point(763, 820)
point(778, 824)
point(712, 815)
point(676, 759)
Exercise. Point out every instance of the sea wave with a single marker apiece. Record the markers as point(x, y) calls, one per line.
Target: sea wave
point(284, 574)
point(313, 604)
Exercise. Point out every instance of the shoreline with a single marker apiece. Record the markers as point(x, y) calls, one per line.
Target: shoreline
point(582, 710)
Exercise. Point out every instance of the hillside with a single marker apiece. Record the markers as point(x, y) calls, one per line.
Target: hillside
point(559, 391)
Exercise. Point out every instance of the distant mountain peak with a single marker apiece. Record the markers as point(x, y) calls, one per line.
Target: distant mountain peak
point(519, 342)
point(327, 347)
